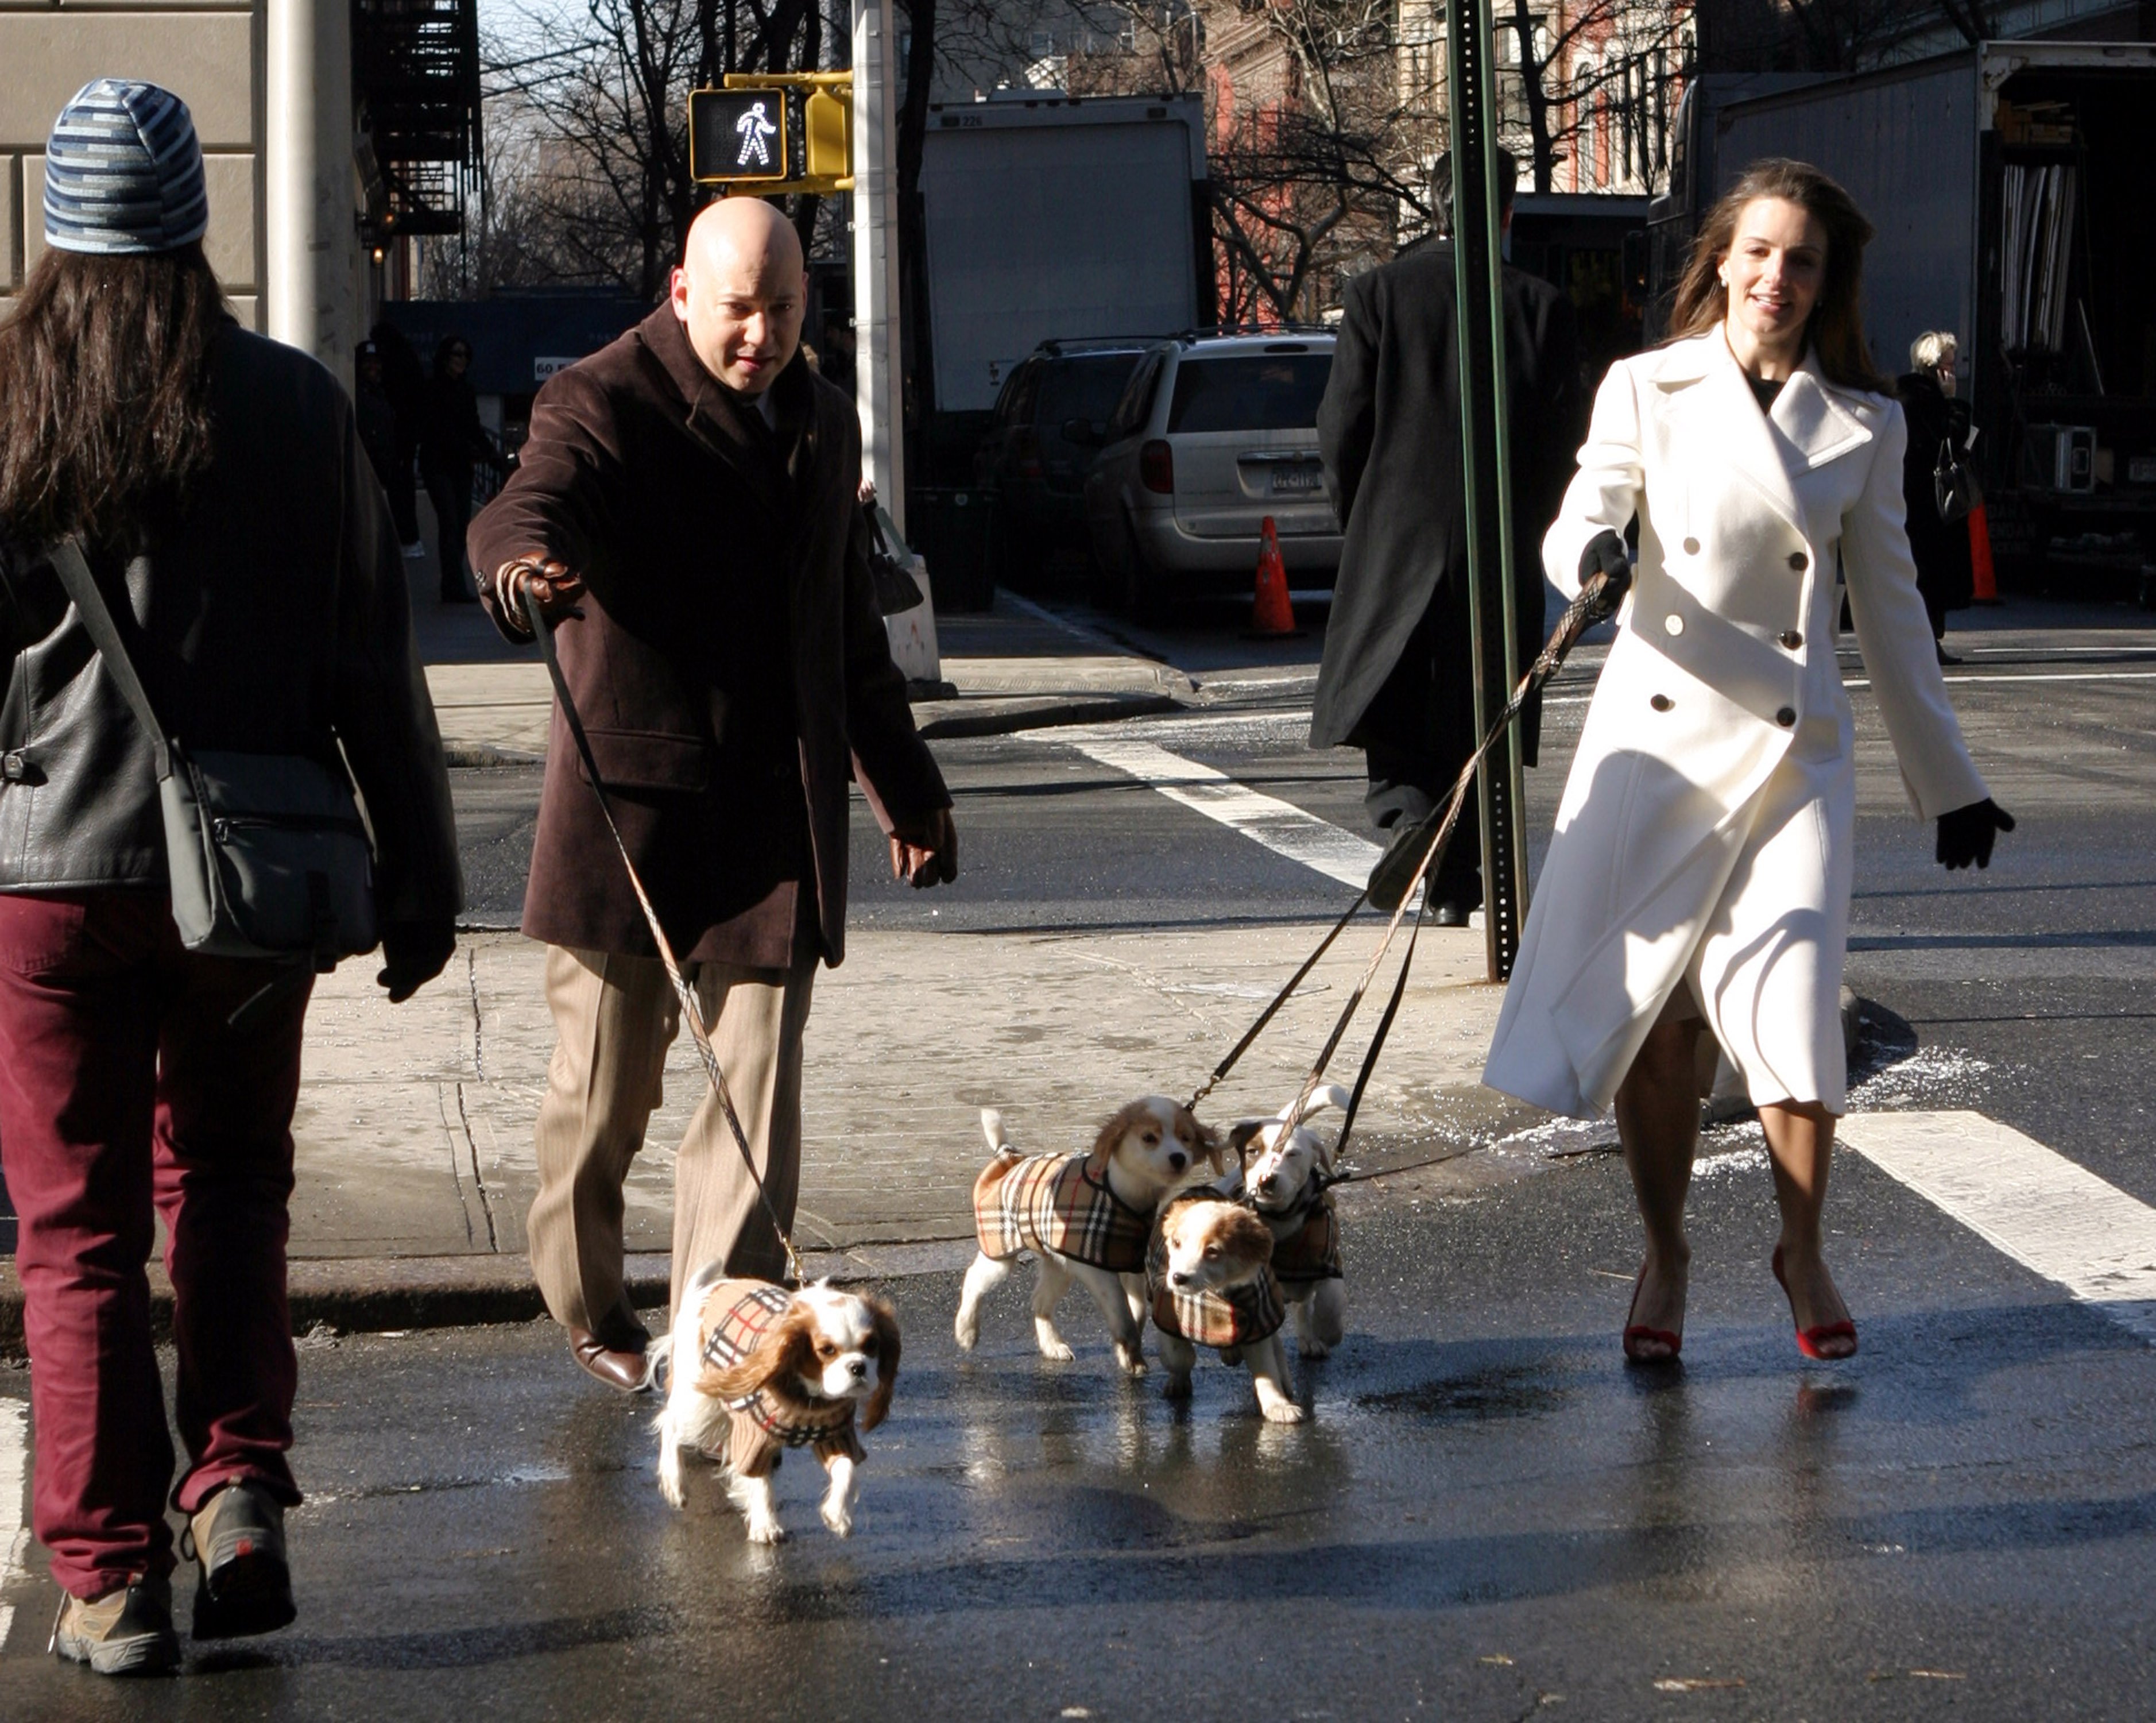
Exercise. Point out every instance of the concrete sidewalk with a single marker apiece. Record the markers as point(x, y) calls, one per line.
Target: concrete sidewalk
point(1014, 667)
point(414, 1124)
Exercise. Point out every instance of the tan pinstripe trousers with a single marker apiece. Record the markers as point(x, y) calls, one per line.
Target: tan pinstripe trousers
point(614, 1018)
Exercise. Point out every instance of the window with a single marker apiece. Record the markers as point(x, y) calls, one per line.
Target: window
point(1090, 387)
point(1135, 406)
point(1249, 392)
point(1016, 407)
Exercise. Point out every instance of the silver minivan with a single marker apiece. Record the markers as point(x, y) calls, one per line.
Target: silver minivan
point(1214, 434)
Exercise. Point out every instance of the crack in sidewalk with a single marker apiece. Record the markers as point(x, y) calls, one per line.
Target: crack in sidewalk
point(464, 1117)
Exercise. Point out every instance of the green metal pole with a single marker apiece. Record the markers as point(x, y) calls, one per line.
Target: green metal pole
point(1480, 307)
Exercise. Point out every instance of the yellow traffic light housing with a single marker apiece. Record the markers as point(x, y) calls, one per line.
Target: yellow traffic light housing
point(828, 124)
point(739, 135)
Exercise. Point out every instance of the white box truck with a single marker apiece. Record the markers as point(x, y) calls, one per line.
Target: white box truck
point(1049, 216)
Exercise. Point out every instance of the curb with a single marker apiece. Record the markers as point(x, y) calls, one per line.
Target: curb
point(485, 754)
point(1020, 714)
point(373, 1295)
point(1001, 715)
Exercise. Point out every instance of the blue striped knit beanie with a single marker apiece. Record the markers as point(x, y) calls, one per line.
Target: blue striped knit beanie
point(124, 171)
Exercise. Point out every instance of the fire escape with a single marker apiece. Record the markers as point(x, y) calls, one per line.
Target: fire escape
point(416, 100)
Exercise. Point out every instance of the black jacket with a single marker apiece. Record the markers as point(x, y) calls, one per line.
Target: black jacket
point(452, 439)
point(271, 618)
point(1388, 430)
point(730, 664)
point(1945, 568)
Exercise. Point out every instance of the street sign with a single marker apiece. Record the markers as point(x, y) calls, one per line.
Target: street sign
point(737, 136)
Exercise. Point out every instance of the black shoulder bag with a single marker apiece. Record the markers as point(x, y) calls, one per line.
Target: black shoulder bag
point(268, 855)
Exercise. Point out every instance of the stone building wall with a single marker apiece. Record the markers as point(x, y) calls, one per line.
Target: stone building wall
point(210, 53)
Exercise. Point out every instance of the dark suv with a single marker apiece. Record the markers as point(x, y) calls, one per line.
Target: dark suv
point(1047, 428)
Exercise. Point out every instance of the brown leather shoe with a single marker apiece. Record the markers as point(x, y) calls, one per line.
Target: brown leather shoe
point(620, 1368)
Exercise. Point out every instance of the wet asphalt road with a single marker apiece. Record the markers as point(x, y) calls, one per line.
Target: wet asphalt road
point(1487, 1515)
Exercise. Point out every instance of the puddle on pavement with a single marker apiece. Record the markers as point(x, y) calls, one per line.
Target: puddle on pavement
point(1474, 1398)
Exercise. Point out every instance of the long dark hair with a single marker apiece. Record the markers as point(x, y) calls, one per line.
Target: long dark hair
point(1835, 327)
point(105, 419)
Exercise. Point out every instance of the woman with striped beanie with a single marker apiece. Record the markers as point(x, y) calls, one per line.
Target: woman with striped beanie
point(217, 494)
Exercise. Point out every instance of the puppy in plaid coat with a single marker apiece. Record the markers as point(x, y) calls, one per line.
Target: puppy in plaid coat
point(754, 1370)
point(1210, 1269)
point(1289, 1187)
point(1086, 1217)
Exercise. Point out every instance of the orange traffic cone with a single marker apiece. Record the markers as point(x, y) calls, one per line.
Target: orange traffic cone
point(1271, 616)
point(1982, 578)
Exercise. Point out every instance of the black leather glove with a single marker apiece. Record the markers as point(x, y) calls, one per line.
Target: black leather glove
point(1605, 575)
point(1966, 834)
point(413, 954)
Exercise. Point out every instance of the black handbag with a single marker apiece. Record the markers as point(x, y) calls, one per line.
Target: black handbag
point(1955, 485)
point(267, 854)
point(896, 591)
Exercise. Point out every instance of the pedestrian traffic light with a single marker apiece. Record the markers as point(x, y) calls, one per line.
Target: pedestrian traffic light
point(828, 126)
point(737, 136)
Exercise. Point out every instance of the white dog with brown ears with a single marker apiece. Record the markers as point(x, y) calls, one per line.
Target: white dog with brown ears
point(1209, 1270)
point(754, 1370)
point(1088, 1217)
point(1289, 1187)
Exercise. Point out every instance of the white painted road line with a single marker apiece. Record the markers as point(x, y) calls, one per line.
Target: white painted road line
point(2045, 1211)
point(14, 1479)
point(1280, 826)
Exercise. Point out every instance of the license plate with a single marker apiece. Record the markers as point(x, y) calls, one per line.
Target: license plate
point(1297, 480)
point(2140, 469)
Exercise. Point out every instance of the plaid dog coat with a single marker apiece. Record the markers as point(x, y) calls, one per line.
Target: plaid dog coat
point(766, 1422)
point(1240, 1316)
point(1305, 1241)
point(1053, 1202)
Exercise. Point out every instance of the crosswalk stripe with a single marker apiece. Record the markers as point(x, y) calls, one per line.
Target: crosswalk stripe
point(14, 1535)
point(1280, 826)
point(2048, 1212)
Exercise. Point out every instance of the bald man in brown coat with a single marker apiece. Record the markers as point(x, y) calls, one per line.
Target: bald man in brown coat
point(684, 509)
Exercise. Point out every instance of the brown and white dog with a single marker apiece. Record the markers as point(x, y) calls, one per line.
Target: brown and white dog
point(754, 1370)
point(1212, 1284)
point(1088, 1217)
point(1288, 1185)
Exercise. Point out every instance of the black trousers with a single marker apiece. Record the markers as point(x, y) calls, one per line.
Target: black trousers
point(1416, 735)
point(450, 492)
point(403, 493)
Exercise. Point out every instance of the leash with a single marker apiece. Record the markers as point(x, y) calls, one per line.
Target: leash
point(692, 1012)
point(1431, 836)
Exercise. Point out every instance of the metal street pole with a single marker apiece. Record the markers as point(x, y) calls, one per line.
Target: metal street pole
point(1480, 307)
point(876, 385)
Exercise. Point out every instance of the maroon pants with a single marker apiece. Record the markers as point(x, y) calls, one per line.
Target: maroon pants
point(123, 1087)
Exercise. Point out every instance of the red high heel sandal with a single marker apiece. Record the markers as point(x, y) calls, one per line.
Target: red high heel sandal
point(1634, 1332)
point(1811, 1340)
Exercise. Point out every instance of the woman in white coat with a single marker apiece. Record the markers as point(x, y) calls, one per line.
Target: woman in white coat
point(1699, 878)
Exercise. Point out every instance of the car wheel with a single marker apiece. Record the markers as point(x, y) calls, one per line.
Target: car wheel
point(1104, 587)
point(1137, 588)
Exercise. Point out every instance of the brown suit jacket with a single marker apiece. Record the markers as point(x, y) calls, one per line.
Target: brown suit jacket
point(730, 664)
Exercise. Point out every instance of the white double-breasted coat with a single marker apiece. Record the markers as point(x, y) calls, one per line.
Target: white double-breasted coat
point(1705, 833)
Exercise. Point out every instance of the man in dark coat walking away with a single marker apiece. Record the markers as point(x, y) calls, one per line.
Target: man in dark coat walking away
point(685, 506)
point(1397, 680)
